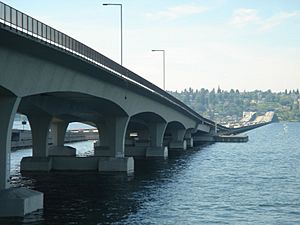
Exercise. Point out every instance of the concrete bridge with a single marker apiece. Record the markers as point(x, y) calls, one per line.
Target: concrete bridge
point(55, 80)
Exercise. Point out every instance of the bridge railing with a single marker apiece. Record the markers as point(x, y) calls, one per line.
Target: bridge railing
point(33, 27)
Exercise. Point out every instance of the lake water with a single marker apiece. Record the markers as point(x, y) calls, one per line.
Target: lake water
point(257, 182)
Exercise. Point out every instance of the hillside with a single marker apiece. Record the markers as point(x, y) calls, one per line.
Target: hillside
point(223, 106)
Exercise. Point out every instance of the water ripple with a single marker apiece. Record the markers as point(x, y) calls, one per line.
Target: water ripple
point(226, 183)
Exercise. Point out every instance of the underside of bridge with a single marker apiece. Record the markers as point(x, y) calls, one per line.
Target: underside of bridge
point(52, 112)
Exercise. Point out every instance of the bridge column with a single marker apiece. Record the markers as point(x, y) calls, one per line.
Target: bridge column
point(137, 148)
point(14, 201)
point(189, 139)
point(58, 133)
point(178, 141)
point(40, 124)
point(8, 108)
point(156, 149)
point(112, 146)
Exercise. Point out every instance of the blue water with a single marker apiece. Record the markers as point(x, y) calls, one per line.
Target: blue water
point(257, 182)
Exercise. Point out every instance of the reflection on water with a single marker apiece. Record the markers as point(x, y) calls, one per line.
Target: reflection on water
point(227, 183)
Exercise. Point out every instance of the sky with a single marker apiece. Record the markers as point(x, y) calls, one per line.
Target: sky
point(245, 44)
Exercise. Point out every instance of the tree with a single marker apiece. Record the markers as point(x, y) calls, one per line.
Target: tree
point(218, 105)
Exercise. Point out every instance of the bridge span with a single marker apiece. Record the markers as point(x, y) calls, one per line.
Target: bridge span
point(54, 80)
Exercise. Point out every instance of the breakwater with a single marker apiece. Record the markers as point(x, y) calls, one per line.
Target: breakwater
point(23, 138)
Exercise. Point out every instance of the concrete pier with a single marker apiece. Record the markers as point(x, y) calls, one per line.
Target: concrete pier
point(69, 163)
point(41, 164)
point(13, 201)
point(19, 201)
point(111, 164)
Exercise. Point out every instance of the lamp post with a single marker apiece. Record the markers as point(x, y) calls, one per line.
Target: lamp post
point(164, 65)
point(121, 16)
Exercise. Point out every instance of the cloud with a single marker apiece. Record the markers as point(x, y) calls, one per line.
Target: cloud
point(176, 12)
point(243, 17)
point(277, 19)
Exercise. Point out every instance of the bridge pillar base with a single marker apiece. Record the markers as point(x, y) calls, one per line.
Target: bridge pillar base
point(178, 145)
point(157, 152)
point(43, 164)
point(61, 151)
point(20, 201)
point(70, 163)
point(112, 164)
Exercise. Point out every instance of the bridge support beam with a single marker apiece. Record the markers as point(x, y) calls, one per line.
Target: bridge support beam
point(178, 142)
point(8, 108)
point(112, 146)
point(14, 201)
point(156, 148)
point(136, 147)
point(189, 142)
point(189, 139)
point(40, 125)
point(112, 137)
point(58, 133)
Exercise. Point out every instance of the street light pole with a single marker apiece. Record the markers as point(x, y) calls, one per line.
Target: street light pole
point(164, 65)
point(121, 16)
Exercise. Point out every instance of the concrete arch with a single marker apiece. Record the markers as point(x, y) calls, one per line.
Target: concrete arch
point(71, 106)
point(175, 125)
point(5, 92)
point(163, 111)
point(174, 135)
point(141, 125)
point(63, 108)
point(189, 131)
point(148, 117)
point(172, 130)
point(145, 132)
